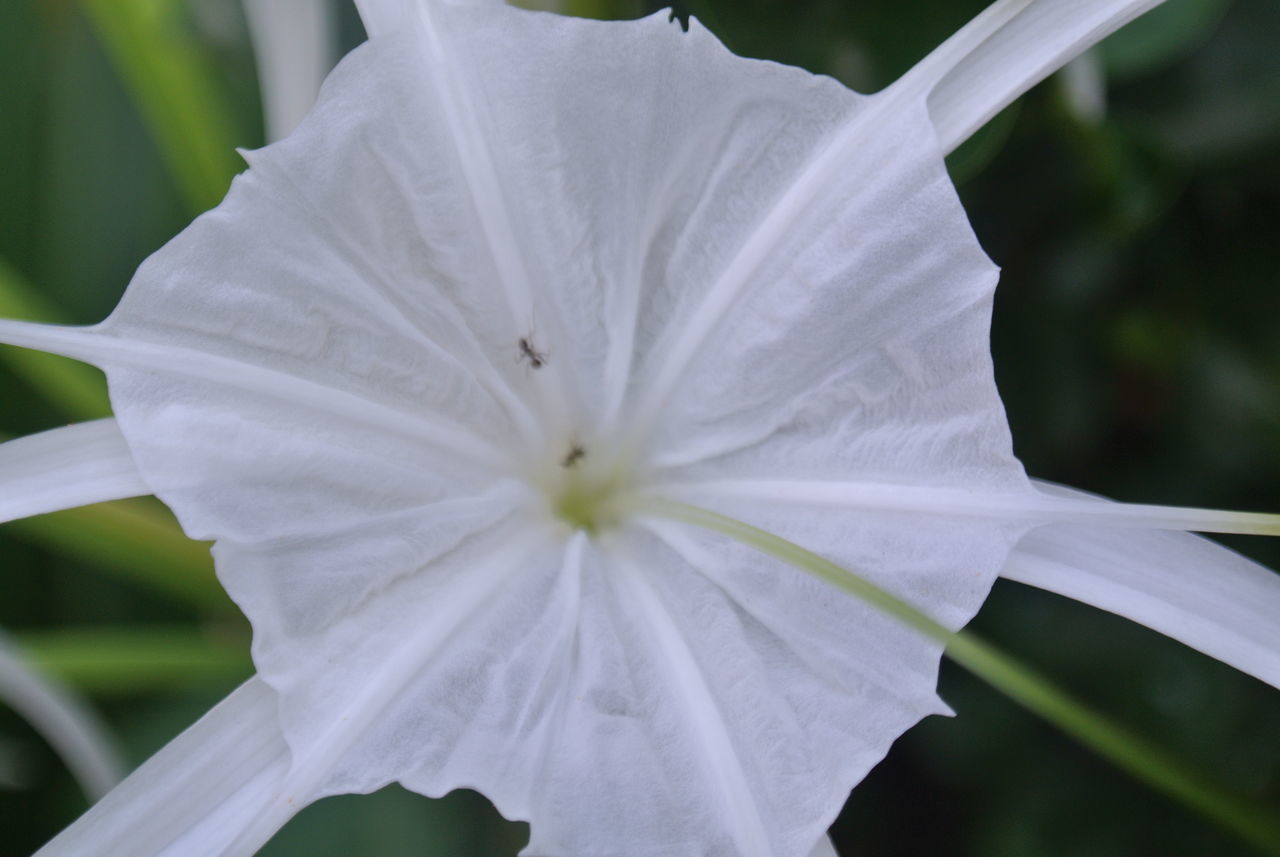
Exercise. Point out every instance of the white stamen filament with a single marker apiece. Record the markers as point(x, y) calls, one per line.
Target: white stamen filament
point(92, 346)
point(1030, 506)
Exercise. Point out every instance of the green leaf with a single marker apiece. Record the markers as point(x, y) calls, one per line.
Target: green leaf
point(129, 660)
point(176, 91)
point(138, 542)
point(1161, 37)
point(80, 391)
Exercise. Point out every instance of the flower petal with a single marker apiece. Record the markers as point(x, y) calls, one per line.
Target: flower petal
point(811, 686)
point(294, 44)
point(769, 205)
point(69, 727)
point(618, 227)
point(1181, 585)
point(858, 348)
point(533, 672)
point(429, 681)
point(202, 422)
point(1003, 52)
point(66, 467)
point(192, 798)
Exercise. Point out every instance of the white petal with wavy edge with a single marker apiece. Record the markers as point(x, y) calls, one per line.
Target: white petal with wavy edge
point(66, 467)
point(351, 272)
point(353, 285)
point(193, 797)
point(197, 794)
point(1003, 52)
point(1199, 593)
point(295, 46)
point(69, 727)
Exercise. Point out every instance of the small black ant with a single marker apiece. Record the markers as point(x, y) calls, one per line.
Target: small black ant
point(537, 359)
point(576, 453)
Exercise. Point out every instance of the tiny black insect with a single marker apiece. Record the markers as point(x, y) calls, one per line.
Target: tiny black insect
point(537, 359)
point(576, 453)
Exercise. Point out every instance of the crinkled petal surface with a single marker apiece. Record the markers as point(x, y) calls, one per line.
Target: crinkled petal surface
point(746, 270)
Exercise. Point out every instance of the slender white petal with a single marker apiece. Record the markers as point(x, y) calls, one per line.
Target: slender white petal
point(1199, 593)
point(70, 728)
point(66, 467)
point(100, 346)
point(193, 797)
point(382, 17)
point(294, 44)
point(1027, 505)
point(1010, 47)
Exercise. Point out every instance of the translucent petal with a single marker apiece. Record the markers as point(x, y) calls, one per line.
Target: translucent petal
point(627, 211)
point(436, 680)
point(539, 675)
point(192, 798)
point(809, 682)
point(1187, 587)
point(619, 699)
point(860, 351)
point(254, 355)
point(66, 723)
point(294, 44)
point(66, 467)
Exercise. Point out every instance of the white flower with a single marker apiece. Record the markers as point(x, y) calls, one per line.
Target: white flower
point(515, 276)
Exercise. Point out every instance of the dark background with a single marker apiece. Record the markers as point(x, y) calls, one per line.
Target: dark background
point(1136, 346)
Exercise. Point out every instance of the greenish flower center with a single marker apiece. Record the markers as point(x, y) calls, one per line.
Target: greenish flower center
point(586, 487)
point(585, 505)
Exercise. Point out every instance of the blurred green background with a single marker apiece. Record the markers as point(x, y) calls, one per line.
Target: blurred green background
point(1136, 339)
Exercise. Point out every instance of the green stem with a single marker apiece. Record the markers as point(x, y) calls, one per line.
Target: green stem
point(175, 89)
point(1037, 694)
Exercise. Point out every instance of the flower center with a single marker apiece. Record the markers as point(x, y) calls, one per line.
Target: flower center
point(585, 488)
